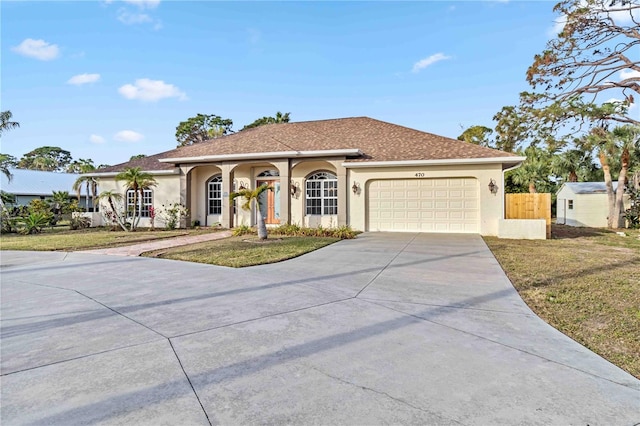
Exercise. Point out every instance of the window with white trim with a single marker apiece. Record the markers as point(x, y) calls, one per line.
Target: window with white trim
point(144, 202)
point(321, 194)
point(214, 195)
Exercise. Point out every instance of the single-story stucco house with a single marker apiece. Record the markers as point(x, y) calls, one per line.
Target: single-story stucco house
point(27, 185)
point(584, 204)
point(365, 173)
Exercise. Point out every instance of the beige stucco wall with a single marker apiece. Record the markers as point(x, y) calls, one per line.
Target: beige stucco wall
point(167, 191)
point(300, 172)
point(352, 207)
point(491, 206)
point(522, 229)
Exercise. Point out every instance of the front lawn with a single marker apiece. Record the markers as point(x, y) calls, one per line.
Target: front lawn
point(584, 282)
point(245, 250)
point(66, 240)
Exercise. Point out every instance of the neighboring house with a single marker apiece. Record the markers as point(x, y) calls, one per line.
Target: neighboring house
point(29, 185)
point(361, 172)
point(584, 204)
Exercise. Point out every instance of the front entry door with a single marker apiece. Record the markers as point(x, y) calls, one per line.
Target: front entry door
point(270, 202)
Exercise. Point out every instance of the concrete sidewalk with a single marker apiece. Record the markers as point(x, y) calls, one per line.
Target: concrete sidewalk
point(138, 249)
point(384, 329)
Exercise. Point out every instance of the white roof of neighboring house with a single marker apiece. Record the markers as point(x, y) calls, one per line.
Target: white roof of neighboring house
point(35, 182)
point(588, 187)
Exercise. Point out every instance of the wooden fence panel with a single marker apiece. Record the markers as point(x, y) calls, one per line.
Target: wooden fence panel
point(529, 206)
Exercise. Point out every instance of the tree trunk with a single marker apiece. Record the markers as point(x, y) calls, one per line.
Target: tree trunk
point(115, 214)
point(262, 227)
point(86, 200)
point(622, 177)
point(573, 176)
point(611, 197)
point(532, 187)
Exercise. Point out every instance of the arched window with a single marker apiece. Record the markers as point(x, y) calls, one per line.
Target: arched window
point(144, 202)
point(322, 194)
point(214, 195)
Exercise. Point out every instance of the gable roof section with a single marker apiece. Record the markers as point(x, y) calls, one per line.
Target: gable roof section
point(588, 187)
point(378, 141)
point(36, 182)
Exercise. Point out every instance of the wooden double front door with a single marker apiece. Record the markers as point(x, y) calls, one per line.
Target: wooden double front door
point(270, 201)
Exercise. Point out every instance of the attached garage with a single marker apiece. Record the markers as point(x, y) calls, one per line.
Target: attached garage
point(424, 205)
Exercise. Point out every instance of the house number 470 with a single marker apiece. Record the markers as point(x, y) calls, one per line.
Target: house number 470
point(419, 174)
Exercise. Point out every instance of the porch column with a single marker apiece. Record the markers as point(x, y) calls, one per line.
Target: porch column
point(227, 187)
point(285, 193)
point(343, 191)
point(185, 194)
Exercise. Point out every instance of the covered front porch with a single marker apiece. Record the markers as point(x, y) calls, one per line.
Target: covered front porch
point(306, 192)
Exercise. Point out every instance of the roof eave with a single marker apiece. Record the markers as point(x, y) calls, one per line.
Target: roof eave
point(264, 155)
point(439, 162)
point(152, 172)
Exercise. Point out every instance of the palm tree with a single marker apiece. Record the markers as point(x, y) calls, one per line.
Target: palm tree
point(60, 202)
point(86, 166)
point(6, 123)
point(254, 195)
point(281, 118)
point(614, 147)
point(111, 197)
point(534, 171)
point(574, 165)
point(137, 181)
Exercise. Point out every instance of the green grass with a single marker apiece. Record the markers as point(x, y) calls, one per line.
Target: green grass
point(62, 239)
point(584, 282)
point(246, 250)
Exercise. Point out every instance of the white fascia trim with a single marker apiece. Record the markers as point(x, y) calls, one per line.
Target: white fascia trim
point(263, 155)
point(152, 172)
point(445, 162)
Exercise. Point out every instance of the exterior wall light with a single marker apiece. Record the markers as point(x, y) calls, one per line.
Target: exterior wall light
point(295, 189)
point(355, 188)
point(493, 187)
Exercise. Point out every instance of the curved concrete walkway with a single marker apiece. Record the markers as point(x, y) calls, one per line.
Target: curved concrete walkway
point(387, 328)
point(138, 249)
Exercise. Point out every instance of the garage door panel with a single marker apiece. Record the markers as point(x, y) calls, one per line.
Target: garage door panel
point(424, 205)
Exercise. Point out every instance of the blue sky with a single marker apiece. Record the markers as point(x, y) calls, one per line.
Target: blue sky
point(109, 79)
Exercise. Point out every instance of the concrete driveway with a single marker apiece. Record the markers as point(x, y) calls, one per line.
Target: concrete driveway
point(387, 328)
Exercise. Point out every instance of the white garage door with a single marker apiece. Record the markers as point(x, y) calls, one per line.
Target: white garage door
point(424, 205)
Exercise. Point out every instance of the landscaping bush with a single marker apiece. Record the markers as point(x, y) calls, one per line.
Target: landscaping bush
point(79, 222)
point(342, 232)
point(243, 230)
point(34, 222)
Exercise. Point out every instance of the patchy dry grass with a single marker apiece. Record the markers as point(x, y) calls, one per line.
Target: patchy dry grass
point(584, 282)
point(65, 240)
point(245, 250)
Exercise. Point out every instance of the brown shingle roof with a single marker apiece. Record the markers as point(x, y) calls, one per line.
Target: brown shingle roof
point(378, 140)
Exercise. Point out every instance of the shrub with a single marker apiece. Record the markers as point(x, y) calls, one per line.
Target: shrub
point(632, 214)
point(173, 214)
point(79, 222)
point(34, 222)
point(243, 230)
point(342, 232)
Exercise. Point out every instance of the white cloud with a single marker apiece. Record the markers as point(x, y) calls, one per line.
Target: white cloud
point(38, 49)
point(96, 139)
point(128, 136)
point(424, 63)
point(144, 4)
point(558, 26)
point(604, 9)
point(83, 79)
point(625, 74)
point(129, 18)
point(145, 89)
